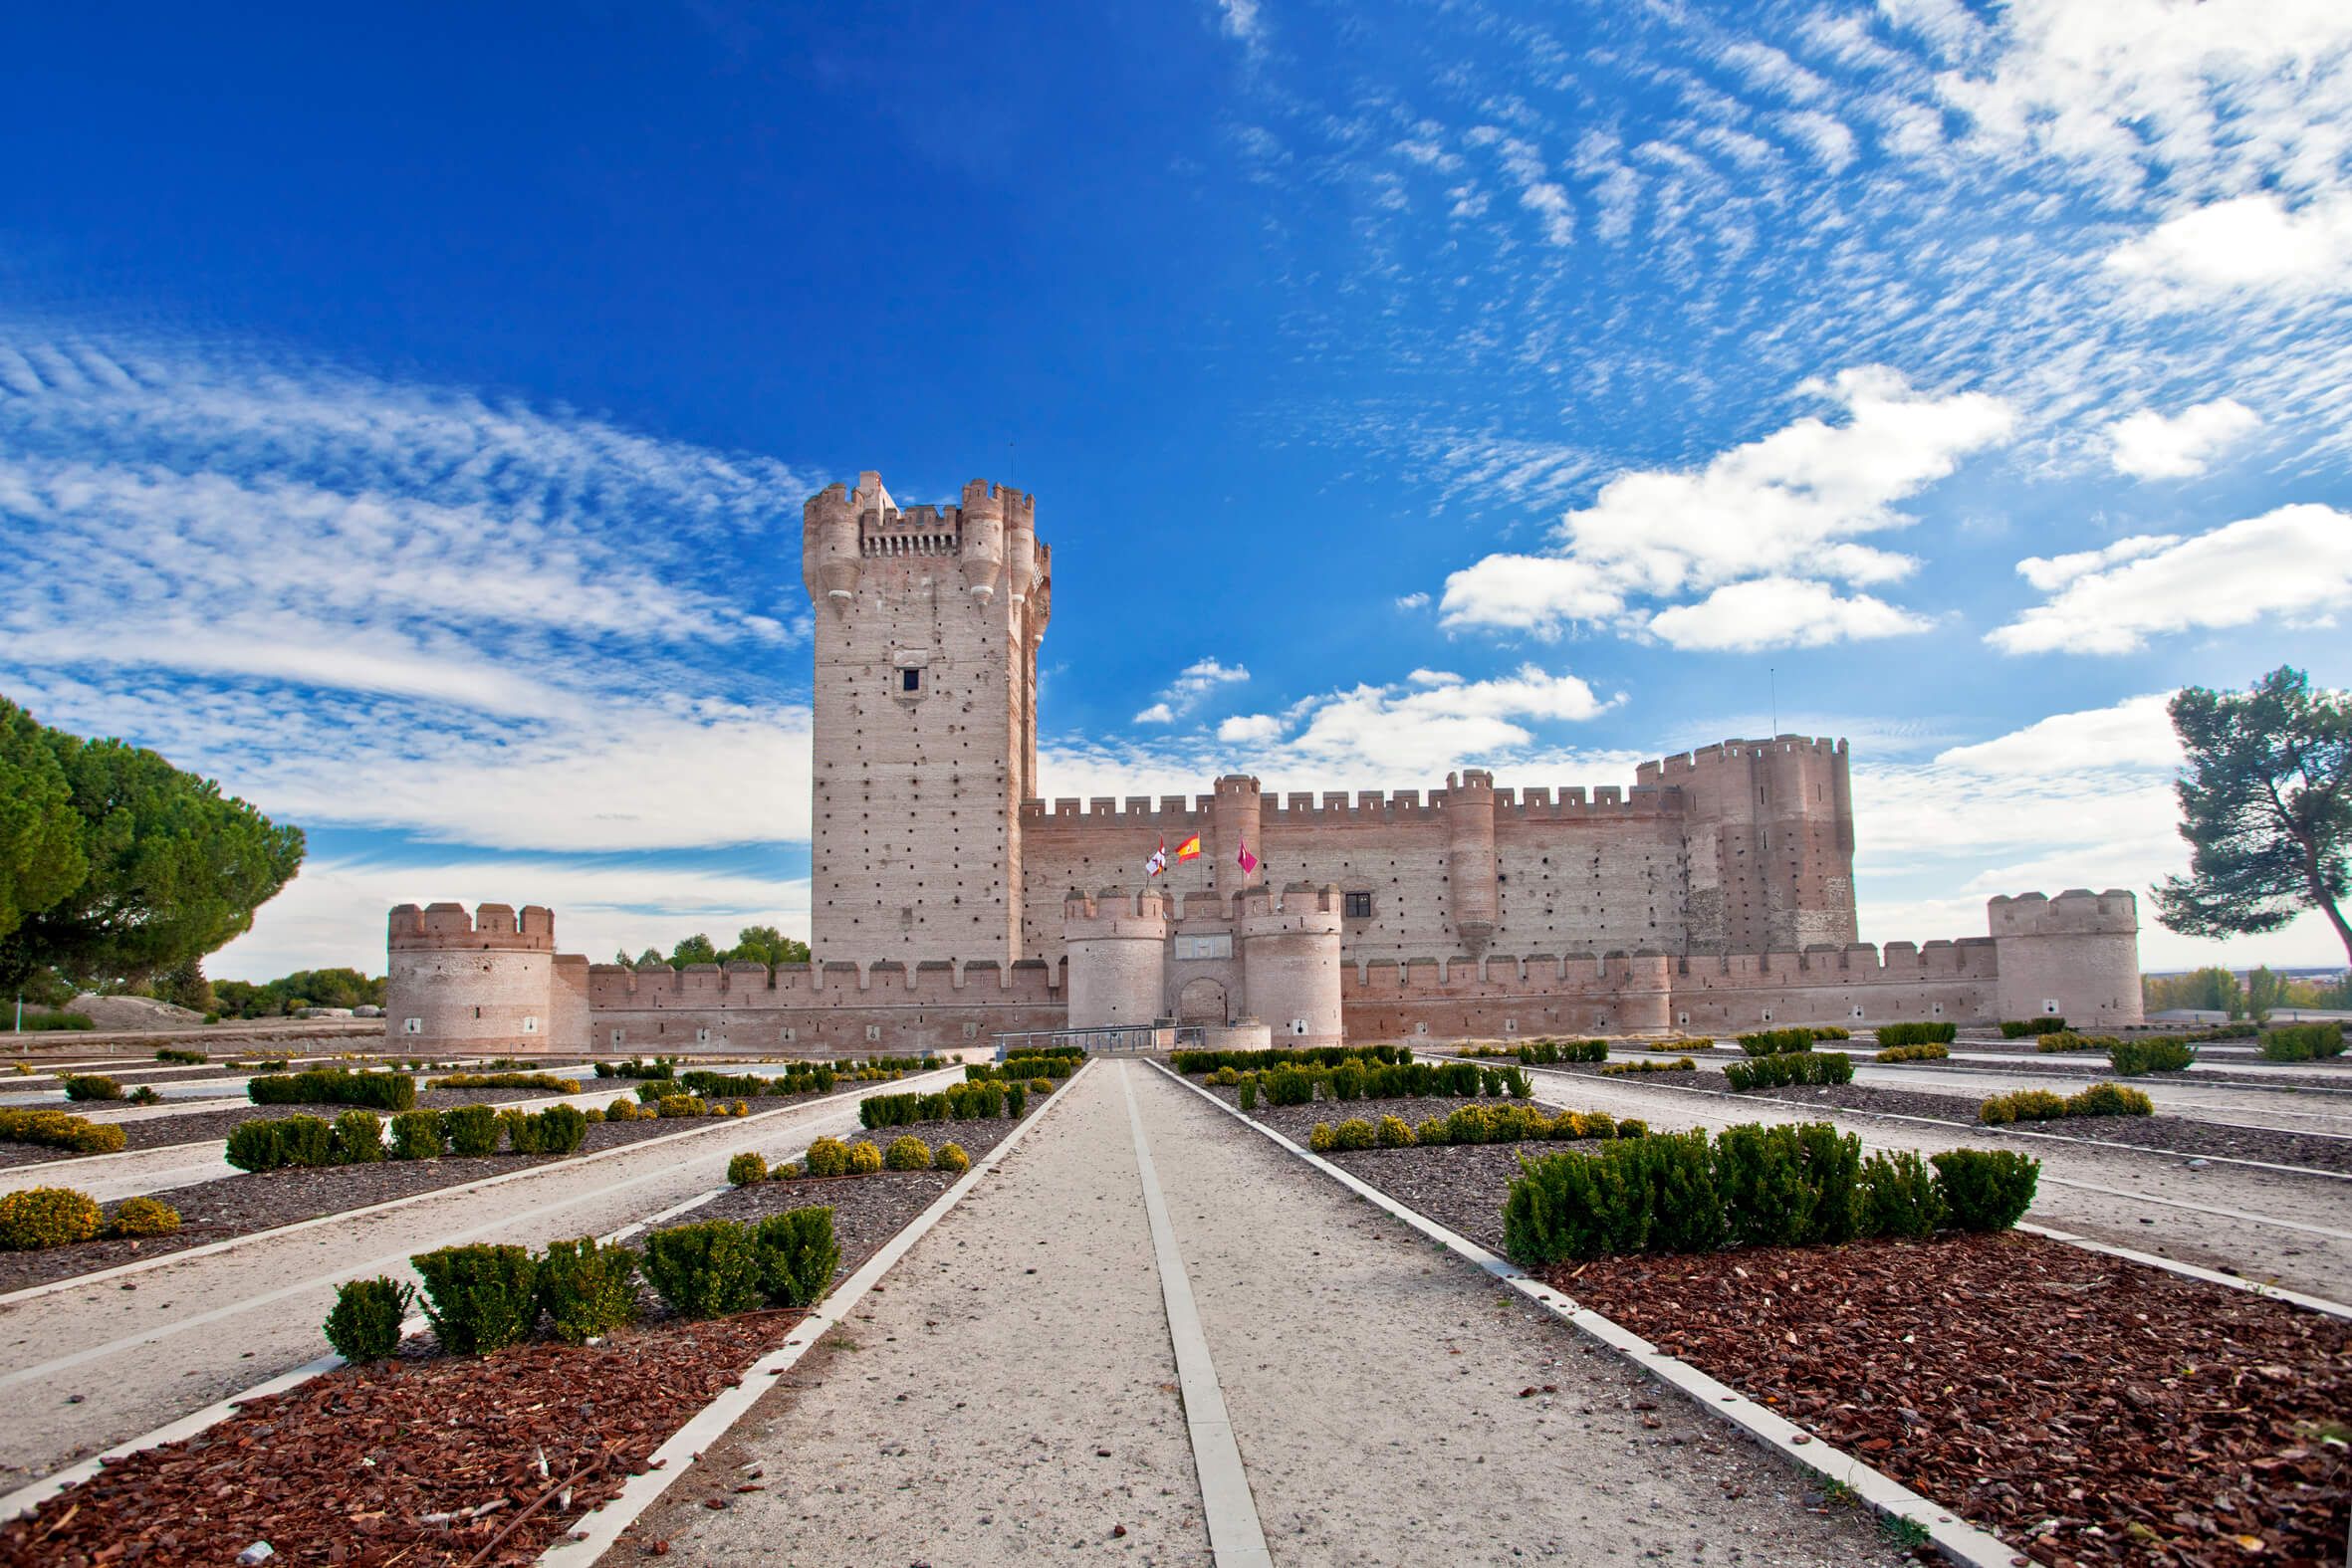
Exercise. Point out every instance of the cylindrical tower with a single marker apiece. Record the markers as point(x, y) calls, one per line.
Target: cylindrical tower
point(484, 981)
point(1472, 895)
point(1118, 957)
point(2075, 956)
point(1233, 822)
point(829, 543)
point(1020, 543)
point(1290, 961)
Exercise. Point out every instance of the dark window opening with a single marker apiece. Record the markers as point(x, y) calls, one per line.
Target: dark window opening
point(1358, 906)
point(910, 680)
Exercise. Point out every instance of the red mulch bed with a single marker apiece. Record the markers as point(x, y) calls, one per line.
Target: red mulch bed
point(2096, 1411)
point(418, 1461)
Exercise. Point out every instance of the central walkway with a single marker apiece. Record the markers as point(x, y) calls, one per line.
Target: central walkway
point(1013, 1393)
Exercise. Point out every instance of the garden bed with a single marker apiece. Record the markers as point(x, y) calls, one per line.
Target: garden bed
point(237, 1205)
point(867, 1209)
point(2181, 1135)
point(2089, 1409)
point(421, 1461)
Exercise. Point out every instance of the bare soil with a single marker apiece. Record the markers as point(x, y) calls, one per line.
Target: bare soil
point(2096, 1410)
point(2182, 1135)
point(424, 1459)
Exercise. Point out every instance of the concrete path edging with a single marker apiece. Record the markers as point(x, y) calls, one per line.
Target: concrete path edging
point(1956, 1539)
point(595, 1532)
point(707, 1125)
point(2211, 1276)
point(1235, 1538)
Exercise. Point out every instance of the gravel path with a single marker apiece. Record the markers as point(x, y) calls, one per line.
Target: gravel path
point(2156, 1203)
point(1010, 1395)
point(1375, 1386)
point(87, 1367)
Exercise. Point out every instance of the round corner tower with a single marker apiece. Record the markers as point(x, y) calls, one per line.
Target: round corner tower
point(476, 981)
point(2075, 956)
point(1290, 961)
point(1118, 957)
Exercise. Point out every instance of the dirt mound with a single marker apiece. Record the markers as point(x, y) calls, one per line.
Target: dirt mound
point(133, 1013)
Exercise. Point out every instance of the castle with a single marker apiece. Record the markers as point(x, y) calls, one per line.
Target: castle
point(949, 904)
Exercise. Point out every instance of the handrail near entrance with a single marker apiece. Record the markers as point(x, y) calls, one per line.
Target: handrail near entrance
point(1107, 1041)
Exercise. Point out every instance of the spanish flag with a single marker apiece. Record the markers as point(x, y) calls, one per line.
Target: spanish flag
point(1190, 849)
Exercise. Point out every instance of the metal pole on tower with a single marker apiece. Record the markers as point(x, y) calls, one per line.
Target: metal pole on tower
point(1773, 685)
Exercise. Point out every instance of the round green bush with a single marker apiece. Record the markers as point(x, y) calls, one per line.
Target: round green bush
point(745, 1169)
point(951, 1157)
point(43, 1216)
point(907, 1152)
point(828, 1157)
point(864, 1159)
point(90, 1086)
point(364, 1323)
point(144, 1216)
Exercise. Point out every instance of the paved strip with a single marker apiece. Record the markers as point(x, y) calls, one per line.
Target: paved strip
point(1500, 1510)
point(1235, 1535)
point(1009, 1396)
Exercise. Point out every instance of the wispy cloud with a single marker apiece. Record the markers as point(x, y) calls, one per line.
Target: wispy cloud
point(1192, 686)
point(2149, 445)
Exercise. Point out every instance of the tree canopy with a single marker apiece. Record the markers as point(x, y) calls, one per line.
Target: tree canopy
point(144, 869)
point(753, 944)
point(2265, 806)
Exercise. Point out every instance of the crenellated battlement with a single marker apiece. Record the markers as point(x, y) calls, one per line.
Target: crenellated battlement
point(1339, 808)
point(2076, 912)
point(1744, 750)
point(491, 926)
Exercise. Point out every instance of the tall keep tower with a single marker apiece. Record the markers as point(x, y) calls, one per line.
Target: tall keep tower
point(928, 622)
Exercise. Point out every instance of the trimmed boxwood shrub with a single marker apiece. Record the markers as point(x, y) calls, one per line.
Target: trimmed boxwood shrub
point(1247, 1092)
point(1927, 1053)
point(827, 1157)
point(1785, 1042)
point(1898, 1197)
point(1190, 1062)
point(479, 1298)
point(1391, 1132)
point(381, 1091)
point(672, 1107)
point(586, 1289)
point(45, 1217)
point(2040, 1105)
point(256, 1146)
point(2026, 1028)
point(562, 1128)
point(91, 1086)
point(364, 1323)
point(907, 1152)
point(1986, 1188)
point(1654, 1193)
point(864, 1158)
point(745, 1169)
point(356, 1138)
point(1916, 1033)
point(143, 1216)
point(2061, 1040)
point(508, 1081)
point(521, 1130)
point(307, 1140)
point(1828, 1067)
point(951, 1157)
point(416, 1135)
point(2133, 1058)
point(1787, 1186)
point(796, 1254)
point(470, 1129)
point(1644, 1065)
point(185, 1059)
point(704, 1270)
point(1017, 1099)
point(2303, 1042)
point(60, 1130)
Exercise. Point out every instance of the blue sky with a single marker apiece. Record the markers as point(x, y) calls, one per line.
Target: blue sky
point(406, 415)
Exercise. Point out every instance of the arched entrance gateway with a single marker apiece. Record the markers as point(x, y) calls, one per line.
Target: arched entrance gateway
point(1202, 1002)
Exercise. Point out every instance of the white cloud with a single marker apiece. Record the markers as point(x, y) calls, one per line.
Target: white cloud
point(1790, 505)
point(2252, 243)
point(2293, 564)
point(1539, 193)
point(1249, 727)
point(1412, 601)
point(2053, 572)
point(1825, 136)
point(2136, 733)
point(1192, 686)
point(2150, 446)
point(2211, 97)
point(1778, 612)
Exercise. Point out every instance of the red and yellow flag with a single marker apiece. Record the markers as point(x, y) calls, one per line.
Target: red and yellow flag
point(1190, 849)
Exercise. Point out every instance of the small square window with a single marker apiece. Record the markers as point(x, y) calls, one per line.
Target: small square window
point(412, 1026)
point(1357, 906)
point(910, 680)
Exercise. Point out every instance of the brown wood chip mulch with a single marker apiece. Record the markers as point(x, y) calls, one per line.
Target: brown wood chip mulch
point(2097, 1411)
point(430, 1460)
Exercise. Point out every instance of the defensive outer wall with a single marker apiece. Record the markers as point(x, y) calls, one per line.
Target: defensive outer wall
point(1715, 894)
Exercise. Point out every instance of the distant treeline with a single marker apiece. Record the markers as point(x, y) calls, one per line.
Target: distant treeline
point(2260, 994)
